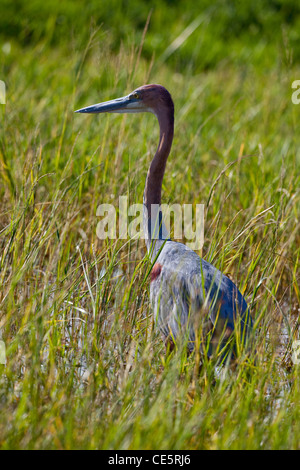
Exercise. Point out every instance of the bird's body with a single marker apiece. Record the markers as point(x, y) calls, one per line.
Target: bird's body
point(187, 293)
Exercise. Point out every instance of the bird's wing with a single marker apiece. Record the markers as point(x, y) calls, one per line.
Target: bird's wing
point(186, 289)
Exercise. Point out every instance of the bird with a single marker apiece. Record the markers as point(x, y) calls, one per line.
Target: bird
point(192, 301)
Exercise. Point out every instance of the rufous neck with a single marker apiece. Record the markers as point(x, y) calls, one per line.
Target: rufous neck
point(152, 217)
point(152, 194)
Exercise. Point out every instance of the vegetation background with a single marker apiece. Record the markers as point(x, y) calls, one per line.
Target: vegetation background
point(85, 367)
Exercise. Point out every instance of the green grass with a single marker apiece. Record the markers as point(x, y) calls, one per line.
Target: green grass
point(86, 367)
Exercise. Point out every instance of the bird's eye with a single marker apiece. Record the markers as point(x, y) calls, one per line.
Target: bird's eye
point(134, 96)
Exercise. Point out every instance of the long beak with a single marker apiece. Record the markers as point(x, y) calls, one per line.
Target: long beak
point(119, 105)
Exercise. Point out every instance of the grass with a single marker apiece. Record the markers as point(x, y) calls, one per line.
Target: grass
point(85, 365)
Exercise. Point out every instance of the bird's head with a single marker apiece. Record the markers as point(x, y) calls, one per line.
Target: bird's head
point(147, 98)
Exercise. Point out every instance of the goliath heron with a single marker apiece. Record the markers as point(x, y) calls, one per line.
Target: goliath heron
point(185, 290)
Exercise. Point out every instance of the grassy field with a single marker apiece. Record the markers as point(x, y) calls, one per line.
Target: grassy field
point(85, 366)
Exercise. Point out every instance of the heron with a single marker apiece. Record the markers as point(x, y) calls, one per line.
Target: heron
point(187, 293)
